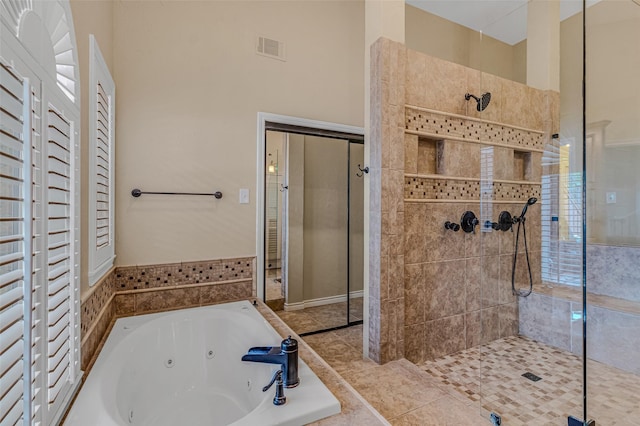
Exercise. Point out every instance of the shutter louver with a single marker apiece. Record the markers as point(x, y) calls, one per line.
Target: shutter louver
point(38, 268)
point(12, 246)
point(103, 138)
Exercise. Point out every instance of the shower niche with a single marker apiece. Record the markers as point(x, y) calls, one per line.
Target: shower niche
point(429, 151)
point(522, 165)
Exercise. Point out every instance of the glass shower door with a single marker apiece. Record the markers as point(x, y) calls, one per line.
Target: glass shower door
point(612, 247)
point(356, 232)
point(314, 209)
point(530, 229)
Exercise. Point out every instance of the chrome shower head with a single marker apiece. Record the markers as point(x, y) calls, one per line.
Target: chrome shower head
point(482, 101)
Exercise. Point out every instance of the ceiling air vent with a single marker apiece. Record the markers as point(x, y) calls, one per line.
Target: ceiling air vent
point(271, 48)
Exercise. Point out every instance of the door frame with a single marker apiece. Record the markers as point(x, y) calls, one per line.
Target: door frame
point(263, 118)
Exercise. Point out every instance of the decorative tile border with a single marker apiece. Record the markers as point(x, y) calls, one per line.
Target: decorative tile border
point(428, 188)
point(93, 304)
point(460, 128)
point(185, 273)
point(134, 290)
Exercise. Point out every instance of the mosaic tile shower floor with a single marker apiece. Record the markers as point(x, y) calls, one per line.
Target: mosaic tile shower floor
point(446, 391)
point(495, 371)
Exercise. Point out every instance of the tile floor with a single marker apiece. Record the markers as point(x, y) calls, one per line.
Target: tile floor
point(492, 375)
point(274, 288)
point(399, 390)
point(463, 388)
point(322, 317)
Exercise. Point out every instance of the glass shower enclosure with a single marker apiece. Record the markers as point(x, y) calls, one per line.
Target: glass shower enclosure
point(559, 310)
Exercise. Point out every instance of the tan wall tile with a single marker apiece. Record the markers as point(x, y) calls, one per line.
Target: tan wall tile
point(473, 281)
point(225, 292)
point(415, 83)
point(446, 86)
point(460, 159)
point(490, 320)
point(473, 328)
point(162, 300)
point(125, 304)
point(503, 164)
point(414, 295)
point(492, 84)
point(410, 153)
point(444, 289)
point(415, 343)
point(490, 281)
point(508, 317)
point(444, 336)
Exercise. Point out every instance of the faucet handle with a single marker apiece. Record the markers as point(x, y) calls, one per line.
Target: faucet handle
point(276, 376)
point(279, 399)
point(289, 345)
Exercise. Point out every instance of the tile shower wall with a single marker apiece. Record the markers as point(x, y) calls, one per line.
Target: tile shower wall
point(97, 312)
point(135, 290)
point(612, 271)
point(432, 158)
point(386, 205)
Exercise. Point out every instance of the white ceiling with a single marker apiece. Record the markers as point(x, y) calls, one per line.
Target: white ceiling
point(505, 20)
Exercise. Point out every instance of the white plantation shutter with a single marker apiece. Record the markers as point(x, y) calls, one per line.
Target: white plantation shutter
point(39, 222)
point(59, 252)
point(39, 271)
point(101, 155)
point(15, 253)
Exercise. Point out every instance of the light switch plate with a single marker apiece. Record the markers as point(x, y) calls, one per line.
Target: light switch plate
point(611, 197)
point(244, 196)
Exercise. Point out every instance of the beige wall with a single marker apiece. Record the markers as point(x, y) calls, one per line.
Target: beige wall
point(189, 89)
point(273, 207)
point(356, 217)
point(325, 217)
point(438, 37)
point(295, 216)
point(89, 17)
point(317, 214)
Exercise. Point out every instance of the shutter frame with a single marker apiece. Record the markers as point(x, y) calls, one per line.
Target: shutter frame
point(101, 157)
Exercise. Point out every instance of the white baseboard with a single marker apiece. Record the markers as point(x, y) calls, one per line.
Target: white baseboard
point(322, 301)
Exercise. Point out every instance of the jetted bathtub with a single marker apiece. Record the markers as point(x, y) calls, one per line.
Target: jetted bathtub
point(184, 368)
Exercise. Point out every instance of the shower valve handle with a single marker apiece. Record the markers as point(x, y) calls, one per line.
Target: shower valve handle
point(452, 226)
point(493, 225)
point(468, 222)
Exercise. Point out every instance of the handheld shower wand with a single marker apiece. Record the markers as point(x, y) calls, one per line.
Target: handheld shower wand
point(531, 201)
point(521, 221)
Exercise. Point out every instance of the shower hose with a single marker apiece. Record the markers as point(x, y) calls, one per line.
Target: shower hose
point(519, 292)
